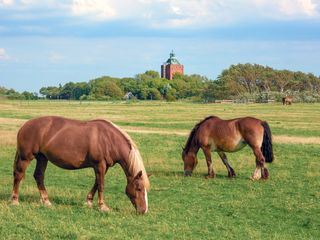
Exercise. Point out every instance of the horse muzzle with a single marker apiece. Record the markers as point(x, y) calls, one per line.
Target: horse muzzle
point(187, 173)
point(142, 210)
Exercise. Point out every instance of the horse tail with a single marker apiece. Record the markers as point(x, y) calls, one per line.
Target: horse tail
point(267, 148)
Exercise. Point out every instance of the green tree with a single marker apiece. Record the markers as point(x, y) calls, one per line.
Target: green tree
point(283, 79)
point(50, 92)
point(29, 96)
point(105, 87)
point(154, 94)
point(214, 90)
point(150, 74)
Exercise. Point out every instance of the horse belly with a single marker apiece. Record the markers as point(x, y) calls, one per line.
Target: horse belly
point(241, 144)
point(68, 153)
point(67, 160)
point(229, 146)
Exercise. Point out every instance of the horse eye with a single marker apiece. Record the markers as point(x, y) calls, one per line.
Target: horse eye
point(139, 189)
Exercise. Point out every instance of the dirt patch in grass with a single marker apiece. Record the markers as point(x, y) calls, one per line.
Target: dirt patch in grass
point(296, 140)
point(12, 121)
point(8, 137)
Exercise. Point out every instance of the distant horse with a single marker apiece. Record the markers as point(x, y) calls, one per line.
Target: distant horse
point(215, 134)
point(72, 144)
point(287, 100)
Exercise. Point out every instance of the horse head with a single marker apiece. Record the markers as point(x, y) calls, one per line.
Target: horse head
point(190, 162)
point(137, 193)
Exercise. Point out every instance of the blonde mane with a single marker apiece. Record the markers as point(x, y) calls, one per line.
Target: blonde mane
point(135, 162)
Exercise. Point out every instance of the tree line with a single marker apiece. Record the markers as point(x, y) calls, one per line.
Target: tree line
point(239, 82)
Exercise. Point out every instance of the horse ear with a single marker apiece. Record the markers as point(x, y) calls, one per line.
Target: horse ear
point(139, 175)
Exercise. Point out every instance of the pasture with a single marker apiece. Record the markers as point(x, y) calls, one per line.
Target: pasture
point(287, 206)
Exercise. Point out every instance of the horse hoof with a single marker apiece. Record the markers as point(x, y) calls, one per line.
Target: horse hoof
point(15, 203)
point(104, 208)
point(210, 176)
point(254, 178)
point(231, 175)
point(89, 204)
point(265, 173)
point(46, 203)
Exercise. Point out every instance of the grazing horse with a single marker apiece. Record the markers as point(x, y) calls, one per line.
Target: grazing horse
point(72, 144)
point(215, 134)
point(287, 100)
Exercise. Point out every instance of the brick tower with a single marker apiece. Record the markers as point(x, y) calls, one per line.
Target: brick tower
point(170, 67)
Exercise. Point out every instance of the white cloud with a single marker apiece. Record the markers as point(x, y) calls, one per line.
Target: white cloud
point(28, 2)
point(193, 13)
point(309, 7)
point(289, 8)
point(6, 2)
point(94, 9)
point(173, 13)
point(3, 54)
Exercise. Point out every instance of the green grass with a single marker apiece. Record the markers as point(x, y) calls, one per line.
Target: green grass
point(287, 206)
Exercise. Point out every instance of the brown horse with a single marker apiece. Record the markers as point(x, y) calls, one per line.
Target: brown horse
point(72, 144)
point(215, 134)
point(287, 100)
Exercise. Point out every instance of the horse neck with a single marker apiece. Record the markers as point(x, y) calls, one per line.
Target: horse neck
point(132, 164)
point(192, 145)
point(130, 159)
point(194, 149)
point(123, 156)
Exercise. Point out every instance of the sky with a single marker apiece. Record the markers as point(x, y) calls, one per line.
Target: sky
point(47, 42)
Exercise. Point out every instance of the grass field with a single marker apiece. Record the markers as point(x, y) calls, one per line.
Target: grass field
point(287, 206)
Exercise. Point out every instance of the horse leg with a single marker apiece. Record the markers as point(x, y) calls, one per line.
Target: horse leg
point(261, 171)
point(19, 169)
point(92, 192)
point(207, 153)
point(100, 171)
point(224, 159)
point(38, 175)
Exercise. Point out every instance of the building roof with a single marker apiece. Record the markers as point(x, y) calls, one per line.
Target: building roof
point(172, 59)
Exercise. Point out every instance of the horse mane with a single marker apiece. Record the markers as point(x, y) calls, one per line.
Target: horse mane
point(135, 162)
point(191, 139)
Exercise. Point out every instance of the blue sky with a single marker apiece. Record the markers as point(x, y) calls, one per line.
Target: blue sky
point(46, 42)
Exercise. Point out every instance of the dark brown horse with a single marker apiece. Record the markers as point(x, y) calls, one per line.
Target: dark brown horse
point(72, 144)
point(287, 100)
point(215, 134)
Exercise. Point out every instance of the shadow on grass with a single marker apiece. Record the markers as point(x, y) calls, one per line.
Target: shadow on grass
point(166, 173)
point(67, 201)
point(6, 197)
point(159, 173)
point(35, 198)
